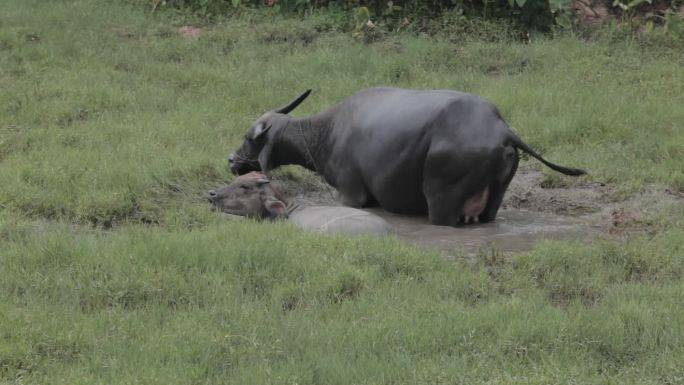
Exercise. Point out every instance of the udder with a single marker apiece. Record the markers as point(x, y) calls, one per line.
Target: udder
point(475, 205)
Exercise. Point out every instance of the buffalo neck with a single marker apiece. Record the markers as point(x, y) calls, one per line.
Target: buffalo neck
point(303, 141)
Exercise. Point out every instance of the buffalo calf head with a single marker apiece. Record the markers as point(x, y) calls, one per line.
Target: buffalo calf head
point(249, 195)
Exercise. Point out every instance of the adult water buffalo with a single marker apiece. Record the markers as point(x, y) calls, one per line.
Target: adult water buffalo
point(252, 196)
point(445, 153)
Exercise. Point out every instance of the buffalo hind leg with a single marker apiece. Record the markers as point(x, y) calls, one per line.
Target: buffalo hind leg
point(498, 187)
point(457, 203)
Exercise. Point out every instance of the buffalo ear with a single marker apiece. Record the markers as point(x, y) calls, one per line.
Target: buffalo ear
point(275, 208)
point(265, 159)
point(260, 129)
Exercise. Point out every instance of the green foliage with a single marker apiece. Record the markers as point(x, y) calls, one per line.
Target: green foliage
point(174, 306)
point(631, 5)
point(395, 14)
point(674, 24)
point(392, 15)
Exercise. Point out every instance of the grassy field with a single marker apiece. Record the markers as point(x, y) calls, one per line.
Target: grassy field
point(113, 270)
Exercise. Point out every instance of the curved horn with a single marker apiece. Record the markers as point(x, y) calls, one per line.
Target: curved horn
point(293, 104)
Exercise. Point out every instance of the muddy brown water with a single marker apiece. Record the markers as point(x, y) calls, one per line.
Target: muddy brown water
point(530, 212)
point(513, 230)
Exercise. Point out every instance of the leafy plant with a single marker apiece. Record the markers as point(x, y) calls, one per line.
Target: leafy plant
point(559, 9)
point(628, 7)
point(416, 14)
point(674, 24)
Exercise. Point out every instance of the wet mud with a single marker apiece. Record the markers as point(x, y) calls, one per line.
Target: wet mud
point(531, 211)
point(513, 230)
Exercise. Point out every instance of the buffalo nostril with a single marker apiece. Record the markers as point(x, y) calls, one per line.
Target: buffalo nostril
point(212, 195)
point(231, 158)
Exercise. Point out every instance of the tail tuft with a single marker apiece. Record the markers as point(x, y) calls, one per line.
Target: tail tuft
point(568, 170)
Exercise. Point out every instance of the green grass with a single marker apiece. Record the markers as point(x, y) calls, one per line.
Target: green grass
point(248, 303)
point(112, 269)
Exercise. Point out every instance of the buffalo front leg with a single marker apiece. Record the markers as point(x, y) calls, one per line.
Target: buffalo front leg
point(352, 192)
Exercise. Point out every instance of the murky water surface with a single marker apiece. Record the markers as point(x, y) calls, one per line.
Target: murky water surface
point(513, 230)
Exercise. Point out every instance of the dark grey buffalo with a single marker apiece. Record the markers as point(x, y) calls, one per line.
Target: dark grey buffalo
point(252, 196)
point(445, 153)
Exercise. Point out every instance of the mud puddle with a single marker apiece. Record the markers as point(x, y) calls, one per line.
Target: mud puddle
point(532, 210)
point(513, 230)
